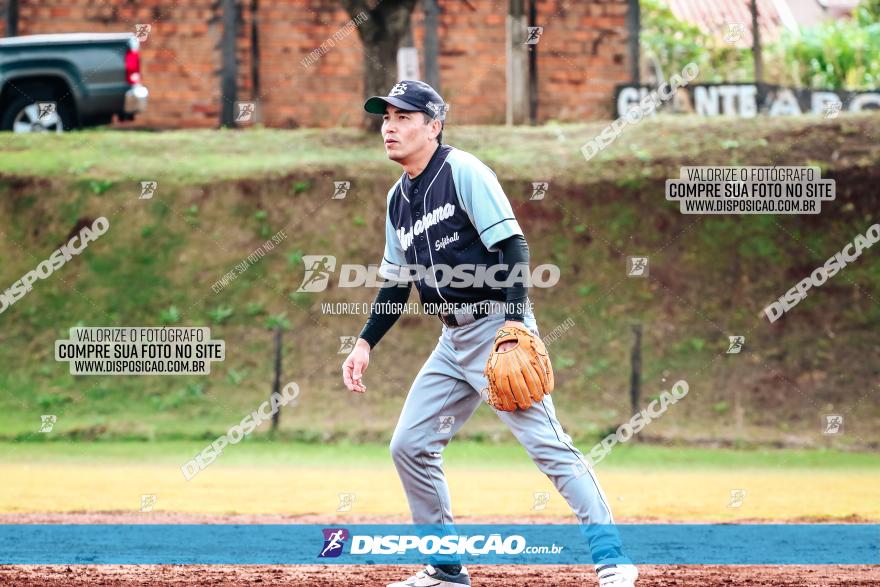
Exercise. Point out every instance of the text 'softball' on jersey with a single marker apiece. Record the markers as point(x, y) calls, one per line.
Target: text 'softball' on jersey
point(456, 213)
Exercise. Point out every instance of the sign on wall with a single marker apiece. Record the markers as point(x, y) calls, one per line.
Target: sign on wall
point(748, 100)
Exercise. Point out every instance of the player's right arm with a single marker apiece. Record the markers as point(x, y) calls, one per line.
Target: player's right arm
point(381, 320)
point(387, 308)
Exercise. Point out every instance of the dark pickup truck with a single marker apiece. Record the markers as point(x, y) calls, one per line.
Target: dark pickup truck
point(65, 81)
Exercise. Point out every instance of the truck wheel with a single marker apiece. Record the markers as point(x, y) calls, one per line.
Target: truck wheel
point(33, 114)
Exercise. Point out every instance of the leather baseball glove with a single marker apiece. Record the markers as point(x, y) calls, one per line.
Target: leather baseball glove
point(521, 375)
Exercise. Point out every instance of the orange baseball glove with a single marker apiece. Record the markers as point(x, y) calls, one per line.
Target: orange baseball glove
point(519, 376)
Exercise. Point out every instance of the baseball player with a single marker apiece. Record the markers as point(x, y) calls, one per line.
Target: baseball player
point(448, 209)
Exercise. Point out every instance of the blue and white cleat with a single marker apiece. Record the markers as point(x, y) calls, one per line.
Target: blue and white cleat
point(617, 575)
point(431, 577)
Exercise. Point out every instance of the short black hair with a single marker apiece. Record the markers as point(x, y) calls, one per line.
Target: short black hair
point(428, 119)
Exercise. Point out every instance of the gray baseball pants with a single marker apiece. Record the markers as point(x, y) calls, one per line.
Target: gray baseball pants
point(450, 385)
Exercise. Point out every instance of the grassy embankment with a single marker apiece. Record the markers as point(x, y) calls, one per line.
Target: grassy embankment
point(221, 194)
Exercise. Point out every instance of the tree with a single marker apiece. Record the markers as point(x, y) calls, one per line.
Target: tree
point(381, 35)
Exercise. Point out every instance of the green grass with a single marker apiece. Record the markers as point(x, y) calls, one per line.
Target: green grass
point(460, 453)
point(98, 159)
point(710, 277)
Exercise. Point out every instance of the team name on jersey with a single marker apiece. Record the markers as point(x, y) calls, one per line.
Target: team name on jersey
point(428, 220)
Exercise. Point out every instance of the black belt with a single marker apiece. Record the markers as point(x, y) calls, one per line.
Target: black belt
point(452, 320)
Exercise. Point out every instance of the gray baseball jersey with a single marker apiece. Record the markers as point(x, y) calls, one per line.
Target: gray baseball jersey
point(459, 195)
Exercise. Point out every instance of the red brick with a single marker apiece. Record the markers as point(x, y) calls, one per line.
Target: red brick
point(181, 60)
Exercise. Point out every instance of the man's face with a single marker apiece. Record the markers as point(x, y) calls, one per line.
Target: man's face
point(405, 133)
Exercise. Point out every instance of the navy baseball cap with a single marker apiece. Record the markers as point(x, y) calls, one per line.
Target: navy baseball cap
point(410, 95)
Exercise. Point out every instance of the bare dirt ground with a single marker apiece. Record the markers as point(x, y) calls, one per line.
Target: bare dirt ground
point(364, 576)
point(483, 576)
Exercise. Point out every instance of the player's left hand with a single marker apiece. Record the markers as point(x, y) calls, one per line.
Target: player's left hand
point(511, 343)
point(521, 376)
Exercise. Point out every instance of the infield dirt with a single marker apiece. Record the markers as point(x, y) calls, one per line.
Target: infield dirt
point(374, 575)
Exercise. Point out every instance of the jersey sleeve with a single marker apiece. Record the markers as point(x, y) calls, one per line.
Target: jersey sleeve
point(483, 198)
point(393, 262)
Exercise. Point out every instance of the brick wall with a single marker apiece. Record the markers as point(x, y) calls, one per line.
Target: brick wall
point(323, 93)
point(581, 56)
point(472, 59)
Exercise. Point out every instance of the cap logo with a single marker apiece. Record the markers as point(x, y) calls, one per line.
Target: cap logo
point(398, 90)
